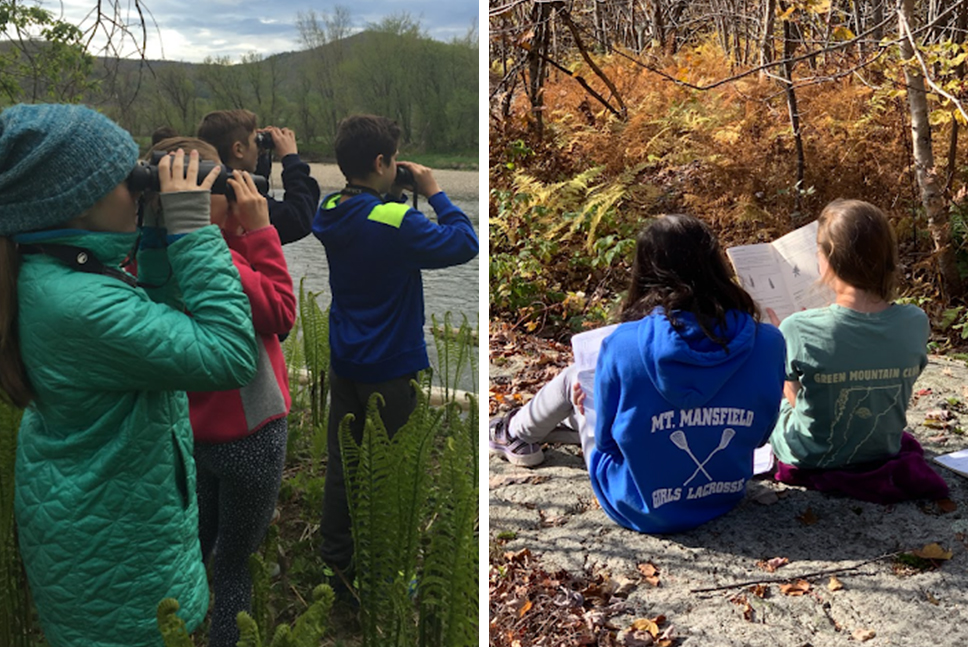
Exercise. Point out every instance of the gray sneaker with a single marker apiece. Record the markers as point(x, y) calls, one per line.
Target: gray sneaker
point(517, 452)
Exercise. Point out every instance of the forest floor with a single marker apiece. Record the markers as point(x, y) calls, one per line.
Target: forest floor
point(828, 571)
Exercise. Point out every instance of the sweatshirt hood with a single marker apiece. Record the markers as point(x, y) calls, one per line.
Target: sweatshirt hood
point(687, 367)
point(334, 221)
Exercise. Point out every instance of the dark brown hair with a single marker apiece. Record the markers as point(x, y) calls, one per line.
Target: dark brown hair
point(14, 384)
point(360, 138)
point(680, 266)
point(162, 132)
point(222, 128)
point(859, 244)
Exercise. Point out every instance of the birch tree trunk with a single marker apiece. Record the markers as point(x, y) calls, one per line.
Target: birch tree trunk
point(939, 224)
point(766, 35)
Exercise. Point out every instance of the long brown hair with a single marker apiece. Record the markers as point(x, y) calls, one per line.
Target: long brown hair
point(14, 384)
point(680, 266)
point(858, 242)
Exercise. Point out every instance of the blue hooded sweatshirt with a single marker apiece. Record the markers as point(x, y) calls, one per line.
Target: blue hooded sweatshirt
point(375, 252)
point(679, 416)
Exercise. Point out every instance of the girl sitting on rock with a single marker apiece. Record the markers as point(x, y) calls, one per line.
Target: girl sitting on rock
point(850, 370)
point(685, 389)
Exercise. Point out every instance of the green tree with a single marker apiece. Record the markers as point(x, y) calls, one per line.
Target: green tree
point(323, 36)
point(45, 58)
point(177, 100)
point(225, 81)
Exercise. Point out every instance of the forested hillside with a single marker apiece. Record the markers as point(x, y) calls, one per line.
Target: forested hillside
point(391, 68)
point(751, 114)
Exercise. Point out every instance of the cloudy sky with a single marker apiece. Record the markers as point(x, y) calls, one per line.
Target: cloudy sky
point(190, 30)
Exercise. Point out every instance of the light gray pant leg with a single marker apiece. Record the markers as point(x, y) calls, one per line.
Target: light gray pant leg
point(549, 408)
point(586, 434)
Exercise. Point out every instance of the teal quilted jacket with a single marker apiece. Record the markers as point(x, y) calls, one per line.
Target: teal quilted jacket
point(105, 481)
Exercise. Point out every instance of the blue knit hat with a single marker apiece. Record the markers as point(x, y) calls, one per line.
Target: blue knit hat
point(56, 161)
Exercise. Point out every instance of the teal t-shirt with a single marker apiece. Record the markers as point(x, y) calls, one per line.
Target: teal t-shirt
point(856, 372)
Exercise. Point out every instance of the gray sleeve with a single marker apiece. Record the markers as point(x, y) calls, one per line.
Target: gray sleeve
point(186, 211)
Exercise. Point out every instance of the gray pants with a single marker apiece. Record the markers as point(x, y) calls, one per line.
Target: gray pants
point(552, 407)
point(347, 396)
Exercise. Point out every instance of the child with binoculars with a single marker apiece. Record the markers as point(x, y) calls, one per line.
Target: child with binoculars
point(105, 481)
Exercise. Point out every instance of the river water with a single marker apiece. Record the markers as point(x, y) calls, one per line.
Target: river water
point(453, 289)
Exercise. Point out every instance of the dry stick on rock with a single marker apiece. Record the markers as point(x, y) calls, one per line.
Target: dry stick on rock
point(802, 576)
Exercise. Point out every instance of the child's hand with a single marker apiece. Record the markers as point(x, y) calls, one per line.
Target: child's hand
point(250, 207)
point(424, 177)
point(773, 318)
point(578, 398)
point(173, 177)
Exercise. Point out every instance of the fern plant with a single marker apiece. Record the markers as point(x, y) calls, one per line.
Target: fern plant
point(307, 631)
point(15, 609)
point(315, 337)
point(448, 587)
point(388, 483)
point(172, 628)
point(413, 503)
point(456, 354)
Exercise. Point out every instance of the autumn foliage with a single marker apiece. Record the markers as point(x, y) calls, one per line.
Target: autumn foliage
point(724, 154)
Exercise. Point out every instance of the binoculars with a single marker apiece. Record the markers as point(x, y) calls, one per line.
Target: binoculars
point(405, 178)
point(144, 176)
point(263, 141)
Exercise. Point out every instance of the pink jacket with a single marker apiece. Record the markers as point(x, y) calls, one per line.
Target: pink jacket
point(223, 416)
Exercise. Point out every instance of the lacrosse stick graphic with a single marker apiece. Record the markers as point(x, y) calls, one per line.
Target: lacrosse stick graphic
point(723, 443)
point(678, 439)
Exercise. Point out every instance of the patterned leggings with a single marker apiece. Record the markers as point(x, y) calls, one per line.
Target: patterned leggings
point(238, 483)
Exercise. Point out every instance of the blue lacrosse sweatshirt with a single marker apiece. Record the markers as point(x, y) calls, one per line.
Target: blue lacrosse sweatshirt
point(375, 251)
point(678, 418)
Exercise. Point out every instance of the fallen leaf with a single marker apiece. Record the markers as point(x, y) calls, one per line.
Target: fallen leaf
point(524, 608)
point(568, 599)
point(808, 517)
point(771, 565)
point(637, 639)
point(668, 636)
point(933, 551)
point(645, 624)
point(834, 584)
point(800, 587)
point(930, 598)
point(551, 521)
point(740, 599)
point(650, 573)
point(517, 556)
point(863, 635)
point(759, 590)
point(946, 505)
point(924, 392)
